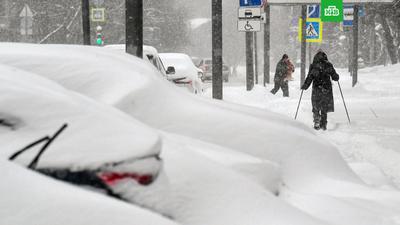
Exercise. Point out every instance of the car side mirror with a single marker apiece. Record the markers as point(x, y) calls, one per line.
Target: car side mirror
point(150, 57)
point(171, 70)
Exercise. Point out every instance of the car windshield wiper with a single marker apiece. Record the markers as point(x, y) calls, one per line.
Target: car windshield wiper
point(47, 139)
point(85, 178)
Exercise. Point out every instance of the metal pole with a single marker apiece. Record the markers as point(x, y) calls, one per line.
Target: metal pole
point(217, 86)
point(267, 47)
point(350, 51)
point(249, 62)
point(303, 44)
point(85, 22)
point(309, 53)
point(134, 27)
point(355, 46)
point(255, 57)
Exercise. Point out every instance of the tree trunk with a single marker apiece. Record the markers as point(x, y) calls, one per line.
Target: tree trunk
point(388, 39)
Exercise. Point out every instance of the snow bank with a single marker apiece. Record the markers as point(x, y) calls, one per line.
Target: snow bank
point(202, 191)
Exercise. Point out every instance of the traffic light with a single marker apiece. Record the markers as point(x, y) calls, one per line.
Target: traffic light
point(99, 36)
point(99, 39)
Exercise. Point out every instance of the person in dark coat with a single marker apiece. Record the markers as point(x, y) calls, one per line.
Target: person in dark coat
point(280, 74)
point(320, 74)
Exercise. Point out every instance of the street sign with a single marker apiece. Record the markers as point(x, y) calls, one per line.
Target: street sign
point(249, 25)
point(26, 24)
point(249, 13)
point(98, 2)
point(332, 10)
point(98, 14)
point(245, 3)
point(313, 30)
point(361, 11)
point(313, 11)
point(250, 17)
point(348, 15)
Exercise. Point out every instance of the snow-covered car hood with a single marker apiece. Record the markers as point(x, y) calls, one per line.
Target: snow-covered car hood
point(96, 133)
point(183, 65)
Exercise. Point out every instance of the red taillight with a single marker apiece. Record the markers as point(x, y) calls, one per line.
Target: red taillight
point(111, 178)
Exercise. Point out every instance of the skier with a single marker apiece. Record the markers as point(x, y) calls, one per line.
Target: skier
point(320, 73)
point(281, 73)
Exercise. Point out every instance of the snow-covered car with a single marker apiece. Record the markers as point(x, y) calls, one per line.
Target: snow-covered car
point(206, 66)
point(185, 72)
point(310, 165)
point(149, 53)
point(30, 198)
point(72, 138)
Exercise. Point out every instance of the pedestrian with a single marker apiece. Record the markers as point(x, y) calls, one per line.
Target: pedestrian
point(320, 73)
point(281, 73)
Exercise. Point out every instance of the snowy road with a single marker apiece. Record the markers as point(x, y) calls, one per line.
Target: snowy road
point(370, 143)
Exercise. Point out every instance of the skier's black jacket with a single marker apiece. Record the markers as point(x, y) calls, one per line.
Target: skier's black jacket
point(320, 74)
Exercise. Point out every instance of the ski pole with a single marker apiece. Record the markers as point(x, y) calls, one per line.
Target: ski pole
point(295, 117)
point(344, 103)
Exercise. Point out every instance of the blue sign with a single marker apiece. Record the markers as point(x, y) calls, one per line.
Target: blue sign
point(348, 23)
point(313, 11)
point(361, 11)
point(250, 3)
point(312, 30)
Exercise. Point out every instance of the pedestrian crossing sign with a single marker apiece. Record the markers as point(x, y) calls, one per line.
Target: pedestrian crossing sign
point(313, 30)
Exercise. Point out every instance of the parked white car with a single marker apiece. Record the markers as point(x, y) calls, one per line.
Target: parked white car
point(185, 72)
point(149, 53)
point(169, 72)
